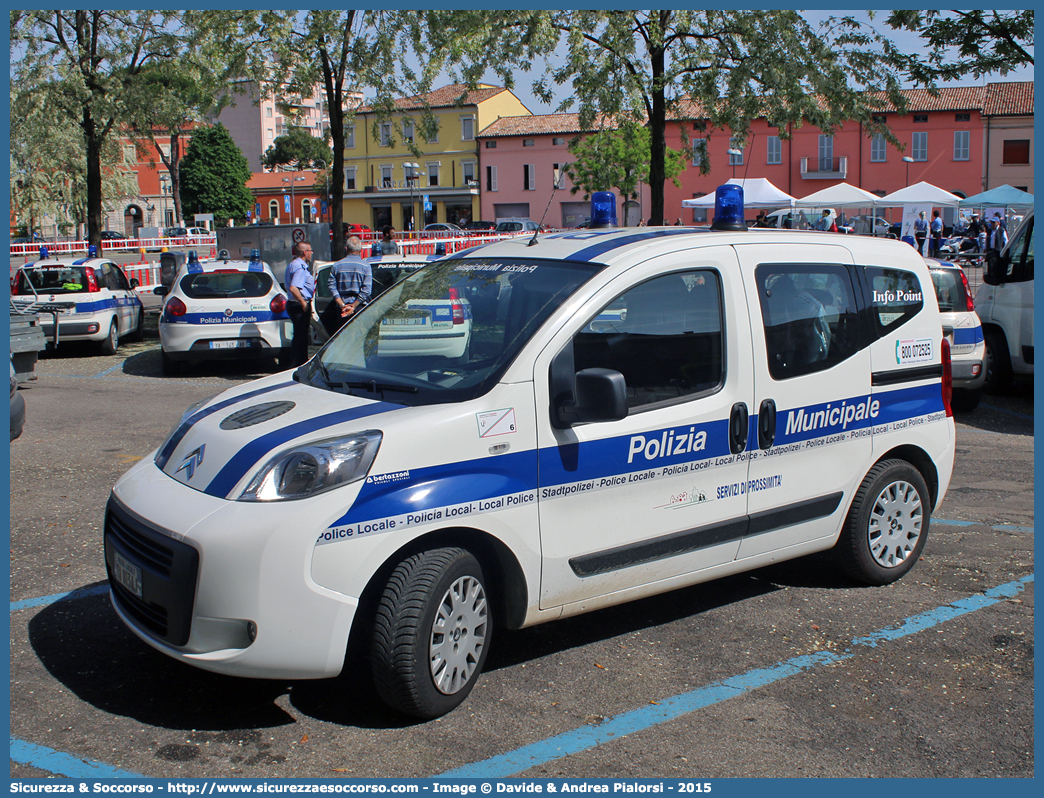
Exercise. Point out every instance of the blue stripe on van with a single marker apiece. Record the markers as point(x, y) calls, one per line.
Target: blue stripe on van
point(602, 247)
point(236, 468)
point(183, 429)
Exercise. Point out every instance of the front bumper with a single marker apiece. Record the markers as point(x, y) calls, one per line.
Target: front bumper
point(224, 585)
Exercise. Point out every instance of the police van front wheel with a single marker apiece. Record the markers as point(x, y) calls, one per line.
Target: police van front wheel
point(887, 525)
point(432, 631)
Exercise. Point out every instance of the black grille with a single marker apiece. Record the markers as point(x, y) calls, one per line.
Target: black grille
point(169, 569)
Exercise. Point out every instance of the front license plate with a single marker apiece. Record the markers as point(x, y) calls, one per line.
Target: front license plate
point(227, 344)
point(127, 574)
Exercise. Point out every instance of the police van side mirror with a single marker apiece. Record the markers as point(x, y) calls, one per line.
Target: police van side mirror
point(996, 268)
point(586, 396)
point(161, 290)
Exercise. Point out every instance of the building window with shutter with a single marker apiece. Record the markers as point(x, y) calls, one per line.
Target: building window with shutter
point(962, 145)
point(775, 150)
point(919, 151)
point(528, 177)
point(349, 178)
point(467, 128)
point(1016, 152)
point(878, 148)
point(491, 178)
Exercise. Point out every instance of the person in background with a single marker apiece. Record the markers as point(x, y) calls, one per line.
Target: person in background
point(351, 283)
point(921, 230)
point(937, 232)
point(301, 286)
point(762, 220)
point(388, 244)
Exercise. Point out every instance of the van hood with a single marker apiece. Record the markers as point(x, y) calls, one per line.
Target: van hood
point(220, 443)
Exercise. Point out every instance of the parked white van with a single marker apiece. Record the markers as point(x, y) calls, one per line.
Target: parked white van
point(1004, 303)
point(639, 410)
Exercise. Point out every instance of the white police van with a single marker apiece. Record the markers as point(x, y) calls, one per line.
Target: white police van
point(223, 309)
point(89, 298)
point(753, 396)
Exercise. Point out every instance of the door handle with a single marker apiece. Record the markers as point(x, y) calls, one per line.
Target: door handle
point(738, 423)
point(766, 424)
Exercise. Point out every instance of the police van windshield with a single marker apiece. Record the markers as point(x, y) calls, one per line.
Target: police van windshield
point(53, 280)
point(225, 284)
point(447, 332)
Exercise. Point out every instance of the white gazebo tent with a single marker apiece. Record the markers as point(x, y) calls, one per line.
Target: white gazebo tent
point(841, 195)
point(757, 193)
point(919, 194)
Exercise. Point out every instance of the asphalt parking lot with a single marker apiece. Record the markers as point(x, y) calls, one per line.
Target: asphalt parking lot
point(785, 672)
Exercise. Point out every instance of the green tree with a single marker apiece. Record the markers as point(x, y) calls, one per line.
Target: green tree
point(214, 175)
point(49, 168)
point(619, 159)
point(84, 61)
point(735, 65)
point(347, 53)
point(171, 97)
point(297, 148)
point(986, 41)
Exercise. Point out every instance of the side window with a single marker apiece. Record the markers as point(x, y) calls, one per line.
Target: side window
point(121, 280)
point(664, 336)
point(106, 277)
point(895, 298)
point(1020, 264)
point(810, 316)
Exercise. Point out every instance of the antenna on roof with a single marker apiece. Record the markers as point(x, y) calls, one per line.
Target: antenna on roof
point(554, 188)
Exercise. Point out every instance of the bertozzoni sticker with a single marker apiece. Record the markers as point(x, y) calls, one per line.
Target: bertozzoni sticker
point(913, 350)
point(496, 422)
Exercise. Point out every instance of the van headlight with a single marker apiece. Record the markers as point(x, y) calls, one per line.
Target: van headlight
point(310, 468)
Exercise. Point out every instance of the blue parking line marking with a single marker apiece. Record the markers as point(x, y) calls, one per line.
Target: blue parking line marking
point(60, 764)
point(43, 601)
point(117, 367)
point(998, 527)
point(1009, 412)
point(578, 740)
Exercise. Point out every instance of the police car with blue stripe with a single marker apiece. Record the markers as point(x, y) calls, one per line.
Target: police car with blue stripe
point(962, 330)
point(745, 397)
point(89, 298)
point(223, 309)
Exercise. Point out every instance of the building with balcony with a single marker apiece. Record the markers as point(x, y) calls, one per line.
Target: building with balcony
point(965, 140)
point(404, 179)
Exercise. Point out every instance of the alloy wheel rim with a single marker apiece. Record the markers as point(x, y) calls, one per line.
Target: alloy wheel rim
point(458, 635)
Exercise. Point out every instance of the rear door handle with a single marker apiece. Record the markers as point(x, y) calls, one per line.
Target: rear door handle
point(766, 424)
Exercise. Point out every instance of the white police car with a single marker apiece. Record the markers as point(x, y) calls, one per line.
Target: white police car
point(223, 309)
point(754, 396)
point(963, 330)
point(90, 298)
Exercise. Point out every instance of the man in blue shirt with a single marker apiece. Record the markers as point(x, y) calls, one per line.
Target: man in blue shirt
point(301, 286)
point(351, 283)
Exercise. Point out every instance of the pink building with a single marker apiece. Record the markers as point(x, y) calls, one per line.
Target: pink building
point(948, 141)
point(519, 159)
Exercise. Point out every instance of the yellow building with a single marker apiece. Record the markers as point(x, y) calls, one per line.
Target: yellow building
point(387, 183)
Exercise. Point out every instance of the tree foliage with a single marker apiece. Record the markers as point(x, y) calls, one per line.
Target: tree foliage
point(734, 66)
point(347, 53)
point(297, 148)
point(986, 42)
point(617, 159)
point(84, 62)
point(214, 175)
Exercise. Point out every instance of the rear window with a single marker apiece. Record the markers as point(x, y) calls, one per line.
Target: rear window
point(949, 290)
point(53, 280)
point(895, 297)
point(224, 285)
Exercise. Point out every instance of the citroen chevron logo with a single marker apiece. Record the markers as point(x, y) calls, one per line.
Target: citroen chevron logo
point(194, 459)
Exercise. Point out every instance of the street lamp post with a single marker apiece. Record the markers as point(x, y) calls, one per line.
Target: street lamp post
point(410, 169)
point(293, 207)
point(907, 160)
point(733, 152)
point(164, 188)
point(315, 171)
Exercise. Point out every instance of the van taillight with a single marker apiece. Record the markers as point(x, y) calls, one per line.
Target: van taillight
point(92, 281)
point(278, 303)
point(947, 379)
point(458, 309)
point(967, 291)
point(175, 307)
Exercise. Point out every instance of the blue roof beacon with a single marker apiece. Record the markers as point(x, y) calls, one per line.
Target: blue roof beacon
point(603, 209)
point(728, 208)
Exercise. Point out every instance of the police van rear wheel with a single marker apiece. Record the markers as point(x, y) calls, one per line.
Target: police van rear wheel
point(112, 341)
point(432, 631)
point(887, 525)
